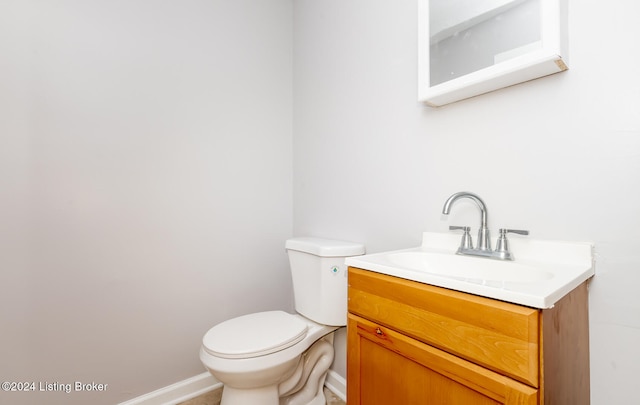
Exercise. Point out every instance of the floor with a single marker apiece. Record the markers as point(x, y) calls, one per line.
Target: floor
point(213, 398)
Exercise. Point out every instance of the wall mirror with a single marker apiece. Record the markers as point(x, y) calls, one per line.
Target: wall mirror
point(470, 47)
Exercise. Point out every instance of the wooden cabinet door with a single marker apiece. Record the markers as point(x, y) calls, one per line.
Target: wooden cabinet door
point(385, 367)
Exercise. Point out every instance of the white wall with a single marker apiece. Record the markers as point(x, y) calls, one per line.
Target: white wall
point(145, 185)
point(145, 171)
point(559, 156)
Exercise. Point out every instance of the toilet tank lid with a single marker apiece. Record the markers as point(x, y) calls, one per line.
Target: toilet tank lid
point(325, 247)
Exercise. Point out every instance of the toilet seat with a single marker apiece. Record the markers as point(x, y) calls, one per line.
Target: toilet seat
point(254, 335)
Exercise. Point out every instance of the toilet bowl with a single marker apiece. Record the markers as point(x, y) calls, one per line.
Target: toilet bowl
point(261, 369)
point(278, 358)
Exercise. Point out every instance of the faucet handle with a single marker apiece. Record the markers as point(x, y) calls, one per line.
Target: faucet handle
point(466, 242)
point(503, 232)
point(502, 245)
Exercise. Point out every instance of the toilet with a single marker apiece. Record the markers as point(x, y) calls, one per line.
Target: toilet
point(277, 358)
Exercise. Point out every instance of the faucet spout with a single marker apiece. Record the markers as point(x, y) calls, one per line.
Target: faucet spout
point(484, 241)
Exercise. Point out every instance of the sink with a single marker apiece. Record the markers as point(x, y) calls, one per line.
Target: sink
point(541, 274)
point(449, 265)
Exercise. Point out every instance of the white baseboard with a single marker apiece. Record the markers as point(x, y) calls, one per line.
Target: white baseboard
point(178, 392)
point(205, 382)
point(337, 384)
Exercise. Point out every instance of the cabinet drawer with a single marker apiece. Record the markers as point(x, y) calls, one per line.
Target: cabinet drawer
point(499, 336)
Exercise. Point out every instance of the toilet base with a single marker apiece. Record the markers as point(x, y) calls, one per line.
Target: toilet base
point(305, 386)
point(264, 395)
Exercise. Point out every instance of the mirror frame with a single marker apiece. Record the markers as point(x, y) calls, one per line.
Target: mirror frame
point(549, 59)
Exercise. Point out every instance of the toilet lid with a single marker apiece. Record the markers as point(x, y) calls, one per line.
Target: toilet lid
point(254, 335)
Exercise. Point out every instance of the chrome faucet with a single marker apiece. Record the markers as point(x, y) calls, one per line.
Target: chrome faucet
point(483, 249)
point(484, 241)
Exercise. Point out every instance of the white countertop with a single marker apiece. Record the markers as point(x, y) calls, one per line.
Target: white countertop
point(541, 274)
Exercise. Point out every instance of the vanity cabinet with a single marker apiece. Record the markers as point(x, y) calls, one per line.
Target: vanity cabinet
point(414, 343)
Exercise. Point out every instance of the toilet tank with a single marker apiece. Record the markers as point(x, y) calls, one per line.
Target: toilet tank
point(320, 277)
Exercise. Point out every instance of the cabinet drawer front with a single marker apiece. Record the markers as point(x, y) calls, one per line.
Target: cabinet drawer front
point(499, 336)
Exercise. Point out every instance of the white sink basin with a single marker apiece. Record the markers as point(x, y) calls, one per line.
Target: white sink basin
point(543, 272)
point(465, 267)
